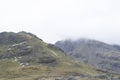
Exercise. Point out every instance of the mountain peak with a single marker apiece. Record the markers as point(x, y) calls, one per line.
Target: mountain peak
point(97, 53)
point(24, 56)
point(8, 38)
point(29, 34)
point(29, 47)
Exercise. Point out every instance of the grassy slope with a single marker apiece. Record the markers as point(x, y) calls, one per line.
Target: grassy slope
point(12, 70)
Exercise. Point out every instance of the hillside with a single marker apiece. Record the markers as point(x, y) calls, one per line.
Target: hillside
point(103, 56)
point(23, 56)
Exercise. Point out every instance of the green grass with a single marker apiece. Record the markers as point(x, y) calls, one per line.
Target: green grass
point(12, 70)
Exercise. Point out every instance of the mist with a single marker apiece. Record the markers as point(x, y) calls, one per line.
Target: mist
point(54, 20)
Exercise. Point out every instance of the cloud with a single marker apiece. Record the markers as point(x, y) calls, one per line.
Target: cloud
point(53, 20)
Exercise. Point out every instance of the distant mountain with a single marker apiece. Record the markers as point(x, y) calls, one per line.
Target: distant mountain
point(23, 56)
point(101, 55)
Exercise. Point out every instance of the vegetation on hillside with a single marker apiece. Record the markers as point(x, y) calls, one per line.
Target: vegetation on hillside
point(27, 57)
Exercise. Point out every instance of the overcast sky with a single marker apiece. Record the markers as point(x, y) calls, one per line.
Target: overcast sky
point(54, 20)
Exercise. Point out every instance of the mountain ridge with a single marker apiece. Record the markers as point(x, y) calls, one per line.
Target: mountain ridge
point(97, 53)
point(24, 56)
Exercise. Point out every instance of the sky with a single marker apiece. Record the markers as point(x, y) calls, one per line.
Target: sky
point(53, 20)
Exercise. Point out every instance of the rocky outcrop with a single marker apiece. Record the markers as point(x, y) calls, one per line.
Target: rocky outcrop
point(99, 54)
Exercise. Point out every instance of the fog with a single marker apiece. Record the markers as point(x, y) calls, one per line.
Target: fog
point(53, 20)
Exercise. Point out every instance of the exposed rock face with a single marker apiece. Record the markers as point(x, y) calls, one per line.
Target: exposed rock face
point(99, 54)
point(47, 59)
point(7, 38)
point(29, 47)
point(24, 56)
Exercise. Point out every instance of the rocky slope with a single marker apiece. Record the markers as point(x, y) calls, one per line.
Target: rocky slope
point(23, 56)
point(101, 55)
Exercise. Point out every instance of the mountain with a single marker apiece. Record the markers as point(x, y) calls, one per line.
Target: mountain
point(24, 56)
point(101, 55)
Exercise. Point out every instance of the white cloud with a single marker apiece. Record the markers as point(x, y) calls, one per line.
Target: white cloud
point(52, 20)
